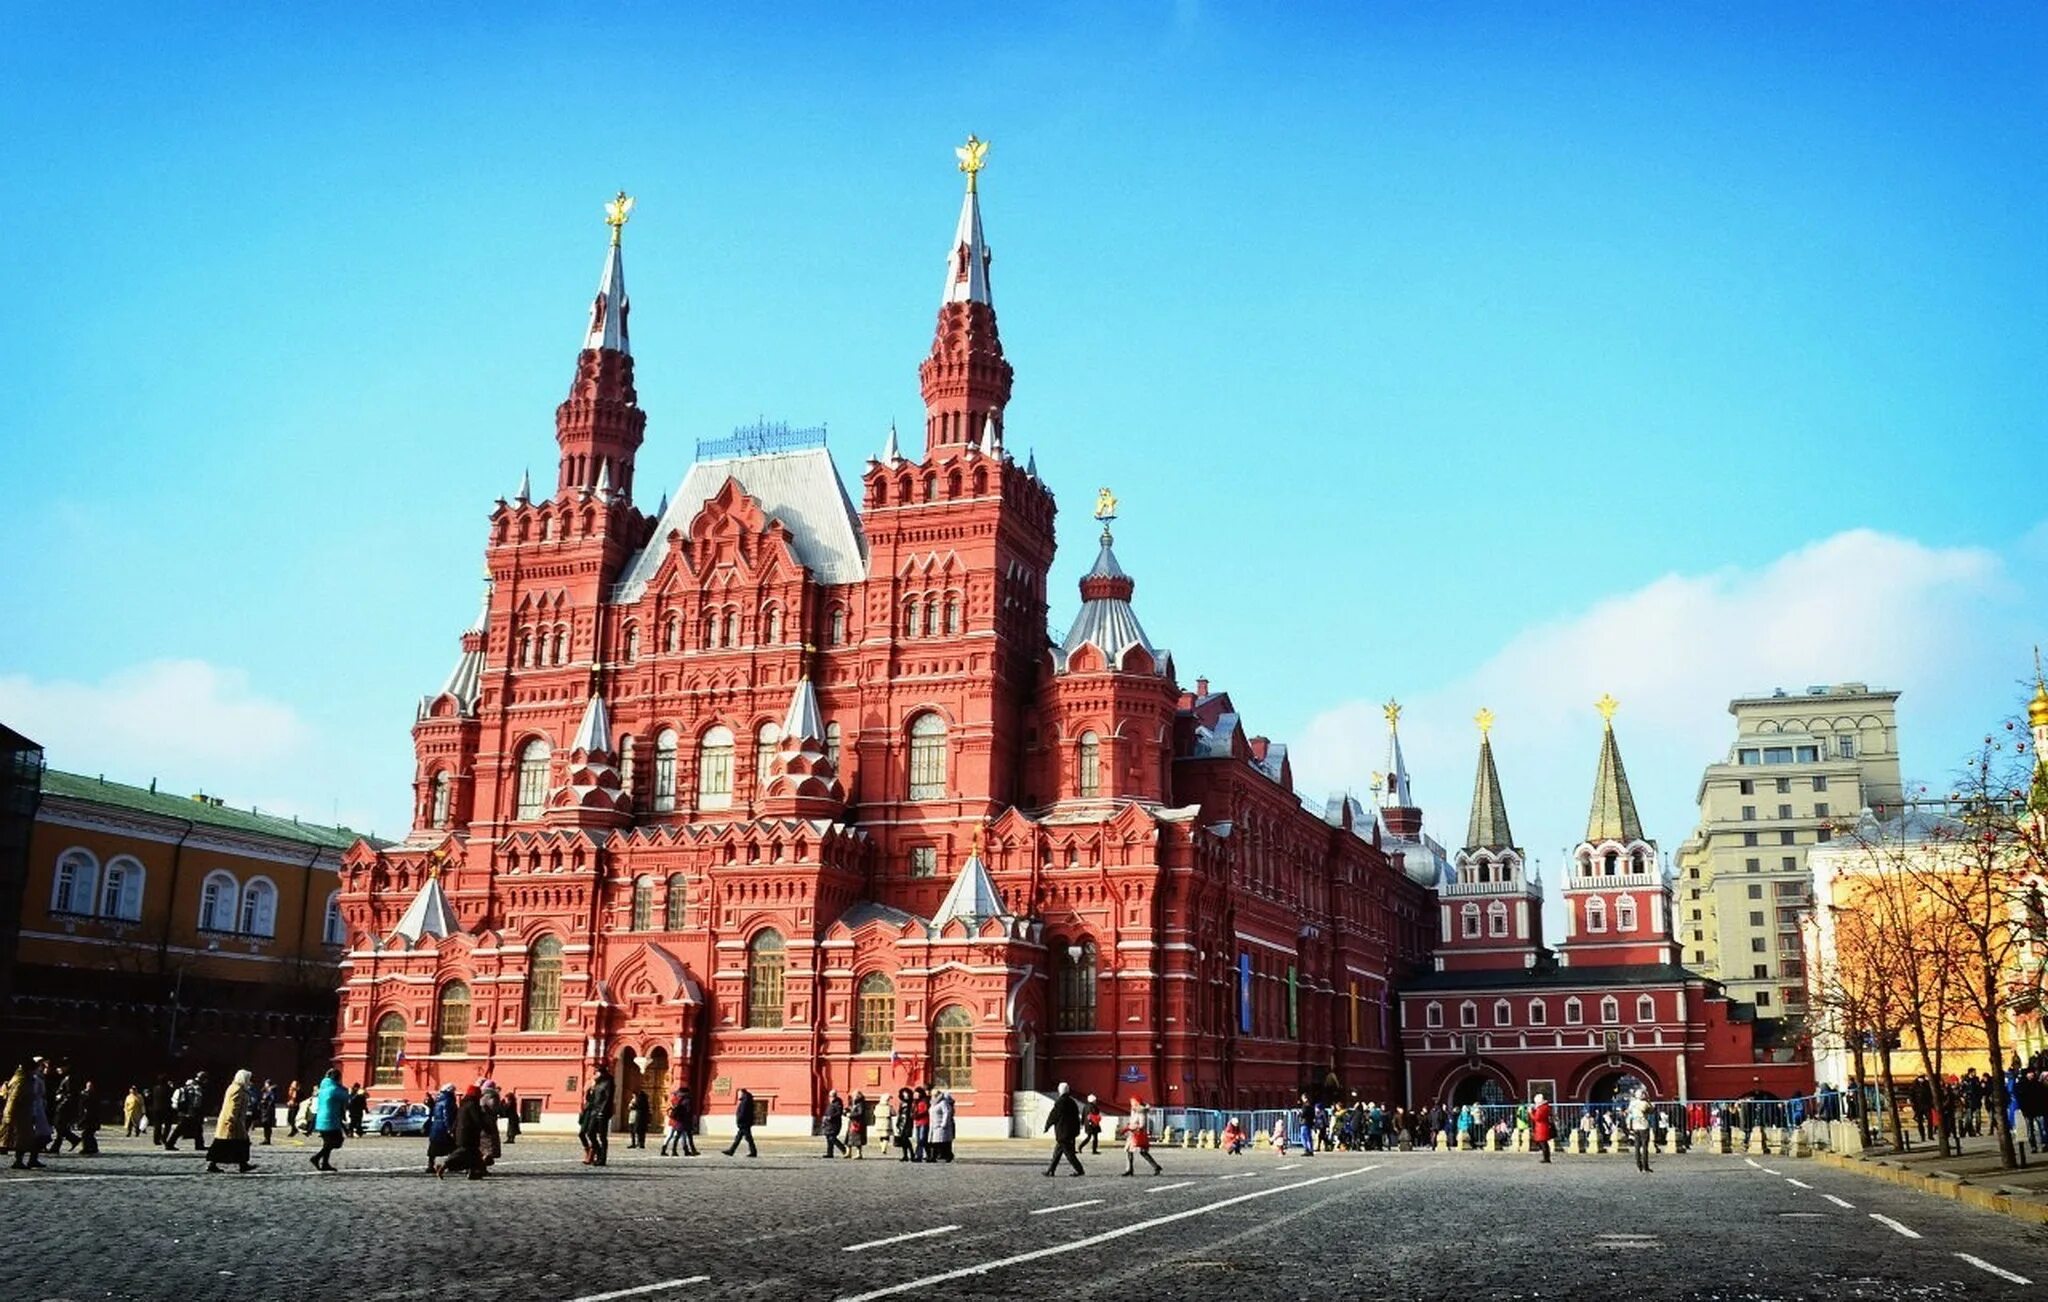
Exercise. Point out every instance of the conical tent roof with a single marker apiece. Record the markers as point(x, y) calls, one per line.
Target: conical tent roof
point(1613, 817)
point(429, 914)
point(1488, 828)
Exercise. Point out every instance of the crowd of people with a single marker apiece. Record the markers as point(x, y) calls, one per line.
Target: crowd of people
point(1959, 1107)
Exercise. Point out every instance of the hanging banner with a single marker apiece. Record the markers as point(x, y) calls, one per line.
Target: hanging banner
point(1293, 1028)
point(1244, 993)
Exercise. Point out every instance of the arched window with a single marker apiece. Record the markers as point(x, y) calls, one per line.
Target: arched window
point(927, 757)
point(632, 643)
point(390, 1043)
point(931, 615)
point(451, 1019)
point(766, 959)
point(771, 626)
point(562, 645)
point(526, 648)
point(259, 908)
point(832, 743)
point(444, 790)
point(544, 985)
point(1503, 1012)
point(626, 765)
point(953, 1049)
point(1625, 914)
point(874, 1027)
point(1433, 1015)
point(1468, 1013)
point(1470, 915)
point(952, 614)
point(1574, 1011)
point(1074, 968)
point(672, 634)
point(217, 897)
point(77, 873)
point(1497, 919)
point(121, 892)
point(665, 771)
point(1610, 1010)
point(728, 629)
point(838, 625)
point(1539, 1012)
point(533, 779)
point(1596, 915)
point(331, 927)
point(643, 904)
point(766, 738)
point(1646, 1009)
point(1090, 764)
point(714, 770)
point(676, 907)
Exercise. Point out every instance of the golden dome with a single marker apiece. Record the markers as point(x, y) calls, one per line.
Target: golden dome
point(2037, 709)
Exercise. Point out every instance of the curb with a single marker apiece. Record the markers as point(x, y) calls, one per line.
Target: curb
point(2031, 1210)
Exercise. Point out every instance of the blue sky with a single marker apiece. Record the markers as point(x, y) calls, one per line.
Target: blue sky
point(1467, 354)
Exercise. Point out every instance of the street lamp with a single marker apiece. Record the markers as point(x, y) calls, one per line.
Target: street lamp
point(171, 1041)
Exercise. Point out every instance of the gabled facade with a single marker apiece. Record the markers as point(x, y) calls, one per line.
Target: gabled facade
point(770, 789)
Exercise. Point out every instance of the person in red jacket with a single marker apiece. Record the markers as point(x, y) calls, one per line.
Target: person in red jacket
point(1138, 1140)
point(1539, 1127)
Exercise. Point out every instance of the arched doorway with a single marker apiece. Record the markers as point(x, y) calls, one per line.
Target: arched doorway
point(1617, 1086)
point(1027, 1063)
point(654, 1079)
point(1479, 1087)
point(625, 1079)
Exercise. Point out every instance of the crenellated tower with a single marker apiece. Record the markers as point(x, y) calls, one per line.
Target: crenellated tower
point(966, 379)
point(1491, 908)
point(600, 426)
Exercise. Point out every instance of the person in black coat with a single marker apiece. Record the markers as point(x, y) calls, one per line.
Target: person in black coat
point(1064, 1121)
point(743, 1125)
point(835, 1117)
point(470, 1128)
point(159, 1111)
point(597, 1119)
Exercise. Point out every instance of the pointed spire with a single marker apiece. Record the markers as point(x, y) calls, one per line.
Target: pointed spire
point(465, 681)
point(594, 734)
point(2037, 709)
point(604, 479)
point(891, 453)
point(1613, 817)
point(988, 435)
point(429, 914)
point(802, 722)
point(973, 896)
point(525, 493)
point(1488, 828)
point(610, 309)
point(1397, 793)
point(967, 264)
point(661, 510)
point(1031, 464)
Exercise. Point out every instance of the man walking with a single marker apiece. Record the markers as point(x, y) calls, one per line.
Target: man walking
point(1638, 1117)
point(835, 1116)
point(266, 1110)
point(1539, 1127)
point(1064, 1121)
point(743, 1125)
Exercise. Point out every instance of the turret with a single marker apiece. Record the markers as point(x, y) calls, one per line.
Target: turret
point(1616, 899)
point(965, 380)
point(601, 425)
point(1491, 908)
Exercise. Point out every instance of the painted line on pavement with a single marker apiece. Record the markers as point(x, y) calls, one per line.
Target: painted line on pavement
point(1839, 1202)
point(1136, 1227)
point(1066, 1207)
point(1752, 1161)
point(1241, 1175)
point(1801, 1183)
point(1768, 1171)
point(644, 1288)
point(1289, 1167)
point(1906, 1230)
point(1999, 1271)
point(899, 1238)
point(1162, 1188)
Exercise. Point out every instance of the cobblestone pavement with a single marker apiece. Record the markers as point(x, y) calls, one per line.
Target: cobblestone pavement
point(140, 1223)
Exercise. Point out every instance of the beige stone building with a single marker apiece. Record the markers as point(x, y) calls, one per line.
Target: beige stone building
point(1802, 763)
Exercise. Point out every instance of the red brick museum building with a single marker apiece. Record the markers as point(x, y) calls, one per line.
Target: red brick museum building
point(787, 788)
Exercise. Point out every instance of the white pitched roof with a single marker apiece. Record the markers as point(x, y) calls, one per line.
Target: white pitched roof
point(608, 310)
point(803, 722)
point(594, 733)
point(968, 283)
point(973, 896)
point(465, 681)
point(428, 914)
point(801, 488)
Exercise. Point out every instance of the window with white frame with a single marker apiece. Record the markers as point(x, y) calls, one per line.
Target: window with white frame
point(1625, 914)
point(1596, 915)
point(1610, 1011)
point(766, 738)
point(533, 779)
point(1538, 1012)
point(1470, 920)
point(1646, 1009)
point(1574, 1011)
point(1090, 776)
point(121, 891)
point(928, 757)
point(714, 769)
point(259, 909)
point(665, 771)
point(1468, 1013)
point(77, 875)
point(331, 932)
point(1497, 919)
point(1433, 1015)
point(1503, 1013)
point(218, 895)
point(444, 793)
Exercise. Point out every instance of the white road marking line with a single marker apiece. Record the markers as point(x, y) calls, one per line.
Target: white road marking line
point(644, 1288)
point(1136, 1227)
point(1999, 1271)
point(1906, 1230)
point(1065, 1207)
point(1801, 1183)
point(1767, 1171)
point(1241, 1175)
point(1839, 1202)
point(899, 1238)
point(1162, 1188)
point(1289, 1167)
point(1752, 1162)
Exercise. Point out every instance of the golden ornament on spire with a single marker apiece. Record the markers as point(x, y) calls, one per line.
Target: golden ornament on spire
point(2037, 709)
point(1607, 705)
point(1392, 709)
point(1485, 721)
point(970, 155)
point(1105, 505)
point(615, 214)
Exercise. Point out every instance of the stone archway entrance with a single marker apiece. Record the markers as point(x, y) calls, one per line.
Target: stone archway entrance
point(1617, 1086)
point(1479, 1087)
point(654, 1079)
point(625, 1079)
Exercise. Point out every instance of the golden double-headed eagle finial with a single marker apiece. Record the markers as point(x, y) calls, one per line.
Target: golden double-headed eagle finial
point(1485, 721)
point(970, 156)
point(1607, 705)
point(1105, 505)
point(1392, 709)
point(616, 211)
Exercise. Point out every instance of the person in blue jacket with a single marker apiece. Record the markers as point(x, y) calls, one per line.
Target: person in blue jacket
point(330, 1115)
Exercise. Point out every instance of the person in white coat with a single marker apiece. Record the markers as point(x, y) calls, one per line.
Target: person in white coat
point(942, 1126)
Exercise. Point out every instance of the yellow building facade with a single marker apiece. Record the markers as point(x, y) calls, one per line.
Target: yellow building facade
point(169, 933)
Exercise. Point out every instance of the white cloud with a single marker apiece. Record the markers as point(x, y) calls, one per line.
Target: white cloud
point(1860, 606)
point(187, 724)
